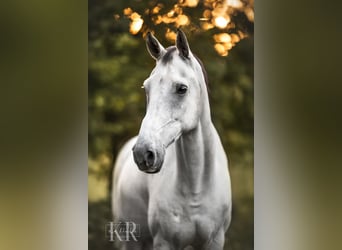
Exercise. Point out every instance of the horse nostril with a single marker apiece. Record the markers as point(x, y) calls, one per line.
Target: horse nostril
point(149, 158)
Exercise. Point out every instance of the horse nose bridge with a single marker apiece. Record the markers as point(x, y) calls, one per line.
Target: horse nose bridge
point(149, 138)
point(145, 142)
point(151, 124)
point(158, 110)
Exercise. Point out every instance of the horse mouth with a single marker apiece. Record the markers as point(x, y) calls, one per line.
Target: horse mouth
point(152, 170)
point(155, 168)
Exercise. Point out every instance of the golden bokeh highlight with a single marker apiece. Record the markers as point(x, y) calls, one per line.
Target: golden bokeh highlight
point(235, 38)
point(235, 3)
point(250, 14)
point(216, 15)
point(157, 9)
point(170, 35)
point(136, 21)
point(207, 26)
point(127, 11)
point(182, 20)
point(225, 42)
point(189, 3)
point(222, 38)
point(170, 13)
point(207, 14)
point(221, 21)
point(220, 49)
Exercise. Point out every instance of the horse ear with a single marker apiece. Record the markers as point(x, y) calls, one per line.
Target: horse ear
point(182, 44)
point(153, 46)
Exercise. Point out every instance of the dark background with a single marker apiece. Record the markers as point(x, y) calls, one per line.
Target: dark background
point(118, 65)
point(43, 135)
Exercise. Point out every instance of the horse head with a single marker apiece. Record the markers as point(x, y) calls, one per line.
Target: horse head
point(174, 92)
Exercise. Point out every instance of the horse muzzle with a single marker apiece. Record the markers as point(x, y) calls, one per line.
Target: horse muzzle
point(148, 159)
point(153, 139)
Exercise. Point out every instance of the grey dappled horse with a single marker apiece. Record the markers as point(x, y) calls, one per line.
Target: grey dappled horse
point(180, 193)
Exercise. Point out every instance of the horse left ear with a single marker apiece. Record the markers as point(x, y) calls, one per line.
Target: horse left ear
point(153, 46)
point(182, 44)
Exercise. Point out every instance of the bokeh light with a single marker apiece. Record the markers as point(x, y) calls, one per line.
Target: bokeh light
point(190, 3)
point(119, 64)
point(136, 23)
point(170, 35)
point(235, 3)
point(221, 22)
point(216, 15)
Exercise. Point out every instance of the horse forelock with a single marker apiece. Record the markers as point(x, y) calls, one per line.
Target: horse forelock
point(168, 56)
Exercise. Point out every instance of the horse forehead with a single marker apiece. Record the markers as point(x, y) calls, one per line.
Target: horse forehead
point(171, 70)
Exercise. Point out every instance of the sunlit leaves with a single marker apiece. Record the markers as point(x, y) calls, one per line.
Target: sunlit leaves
point(170, 35)
point(250, 14)
point(221, 21)
point(119, 64)
point(182, 20)
point(216, 15)
point(189, 3)
point(136, 20)
point(235, 3)
point(224, 42)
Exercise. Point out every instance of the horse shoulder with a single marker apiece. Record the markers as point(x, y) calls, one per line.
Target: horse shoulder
point(223, 183)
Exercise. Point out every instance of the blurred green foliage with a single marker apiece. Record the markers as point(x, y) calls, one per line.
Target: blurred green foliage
point(118, 65)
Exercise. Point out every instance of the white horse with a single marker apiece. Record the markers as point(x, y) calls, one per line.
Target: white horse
point(180, 193)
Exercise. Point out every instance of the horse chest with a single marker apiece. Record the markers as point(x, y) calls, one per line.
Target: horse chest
point(182, 221)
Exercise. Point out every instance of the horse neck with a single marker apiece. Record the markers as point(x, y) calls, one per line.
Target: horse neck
point(195, 155)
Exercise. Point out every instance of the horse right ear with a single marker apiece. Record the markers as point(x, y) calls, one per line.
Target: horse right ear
point(153, 46)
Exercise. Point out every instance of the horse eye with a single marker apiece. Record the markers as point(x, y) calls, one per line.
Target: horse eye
point(181, 89)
